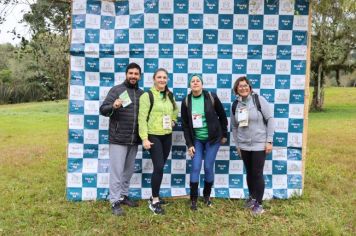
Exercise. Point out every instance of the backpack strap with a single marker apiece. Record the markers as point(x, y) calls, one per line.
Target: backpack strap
point(256, 100)
point(150, 95)
point(234, 105)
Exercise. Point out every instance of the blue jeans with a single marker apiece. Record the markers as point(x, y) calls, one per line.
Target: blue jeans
point(207, 151)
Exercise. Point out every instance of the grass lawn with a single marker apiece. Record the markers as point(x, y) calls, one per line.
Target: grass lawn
point(33, 169)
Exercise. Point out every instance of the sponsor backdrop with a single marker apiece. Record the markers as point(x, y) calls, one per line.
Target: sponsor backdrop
point(222, 40)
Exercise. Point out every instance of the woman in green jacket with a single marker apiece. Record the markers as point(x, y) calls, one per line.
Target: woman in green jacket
point(157, 116)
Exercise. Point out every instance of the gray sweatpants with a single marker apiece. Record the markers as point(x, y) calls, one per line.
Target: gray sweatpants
point(122, 163)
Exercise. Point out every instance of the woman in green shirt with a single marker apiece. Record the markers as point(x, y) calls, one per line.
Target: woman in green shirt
point(205, 128)
point(157, 117)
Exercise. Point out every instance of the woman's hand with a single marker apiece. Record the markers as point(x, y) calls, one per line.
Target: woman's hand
point(238, 151)
point(223, 140)
point(147, 144)
point(268, 147)
point(191, 151)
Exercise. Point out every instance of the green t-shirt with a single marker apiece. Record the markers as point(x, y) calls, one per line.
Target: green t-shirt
point(198, 109)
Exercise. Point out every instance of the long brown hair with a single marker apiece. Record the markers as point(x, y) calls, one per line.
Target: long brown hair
point(166, 89)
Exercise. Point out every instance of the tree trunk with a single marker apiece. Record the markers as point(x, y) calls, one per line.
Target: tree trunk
point(318, 94)
point(338, 77)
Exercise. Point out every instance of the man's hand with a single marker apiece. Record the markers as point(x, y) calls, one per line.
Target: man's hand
point(191, 151)
point(117, 104)
point(147, 144)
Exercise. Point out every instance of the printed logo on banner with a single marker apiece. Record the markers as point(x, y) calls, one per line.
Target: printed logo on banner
point(165, 21)
point(298, 67)
point(210, 51)
point(92, 64)
point(136, 50)
point(226, 21)
point(295, 126)
point(78, 21)
point(255, 80)
point(239, 66)
point(282, 81)
point(180, 65)
point(151, 36)
point(299, 38)
point(254, 66)
point(76, 136)
point(294, 154)
point(241, 7)
point(296, 111)
point(91, 122)
point(90, 151)
point(102, 193)
point(122, 22)
point(146, 180)
point(181, 36)
point(209, 66)
point(221, 181)
point(181, 21)
point(294, 181)
point(178, 166)
point(74, 194)
point(281, 96)
point(89, 180)
point(74, 165)
point(240, 37)
point(255, 22)
point(297, 96)
point(281, 125)
point(92, 21)
point(167, 167)
point(267, 169)
point(107, 79)
point(300, 23)
point(221, 167)
point(78, 36)
point(271, 8)
point(279, 167)
point(151, 65)
point(268, 94)
point(299, 52)
point(178, 180)
point(222, 192)
point(224, 80)
point(224, 66)
point(103, 151)
point(270, 22)
point(210, 36)
point(103, 165)
point(268, 181)
point(75, 150)
point(103, 137)
point(136, 35)
point(235, 181)
point(225, 36)
point(91, 107)
point(90, 165)
point(301, 7)
point(267, 81)
point(254, 52)
point(211, 7)
point(295, 140)
point(280, 153)
point(270, 37)
point(280, 139)
point(269, 52)
point(107, 36)
point(256, 7)
point(179, 152)
point(283, 67)
point(294, 167)
point(195, 50)
point(194, 66)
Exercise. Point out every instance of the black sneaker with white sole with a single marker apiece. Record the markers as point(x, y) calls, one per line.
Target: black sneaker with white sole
point(127, 201)
point(116, 209)
point(161, 201)
point(156, 208)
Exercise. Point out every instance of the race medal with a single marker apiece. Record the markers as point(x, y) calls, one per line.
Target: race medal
point(167, 122)
point(197, 120)
point(242, 116)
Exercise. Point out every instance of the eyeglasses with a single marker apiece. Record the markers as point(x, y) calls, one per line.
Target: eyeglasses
point(243, 86)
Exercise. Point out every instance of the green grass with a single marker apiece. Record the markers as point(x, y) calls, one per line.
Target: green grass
point(33, 169)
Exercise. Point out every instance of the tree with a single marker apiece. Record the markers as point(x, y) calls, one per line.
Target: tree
point(333, 39)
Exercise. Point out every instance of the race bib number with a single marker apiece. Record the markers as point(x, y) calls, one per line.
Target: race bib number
point(242, 116)
point(167, 122)
point(197, 120)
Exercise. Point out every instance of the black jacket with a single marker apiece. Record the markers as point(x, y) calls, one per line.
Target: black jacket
point(215, 118)
point(123, 126)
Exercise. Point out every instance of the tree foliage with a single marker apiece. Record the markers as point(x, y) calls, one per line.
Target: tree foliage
point(333, 40)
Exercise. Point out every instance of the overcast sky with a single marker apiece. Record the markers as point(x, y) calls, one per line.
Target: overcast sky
point(11, 22)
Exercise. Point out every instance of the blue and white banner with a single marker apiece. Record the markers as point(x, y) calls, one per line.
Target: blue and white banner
point(220, 39)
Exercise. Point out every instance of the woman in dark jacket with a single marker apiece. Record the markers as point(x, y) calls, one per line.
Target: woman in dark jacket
point(205, 128)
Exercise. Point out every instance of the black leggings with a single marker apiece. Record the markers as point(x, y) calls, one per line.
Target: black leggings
point(159, 153)
point(254, 162)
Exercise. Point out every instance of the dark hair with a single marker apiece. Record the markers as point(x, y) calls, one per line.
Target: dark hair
point(166, 89)
point(132, 65)
point(236, 84)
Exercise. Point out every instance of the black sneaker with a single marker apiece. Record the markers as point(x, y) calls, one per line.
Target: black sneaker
point(156, 208)
point(207, 201)
point(128, 202)
point(193, 206)
point(161, 201)
point(116, 209)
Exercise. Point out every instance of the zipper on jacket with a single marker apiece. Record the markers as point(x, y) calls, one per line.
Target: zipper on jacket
point(134, 123)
